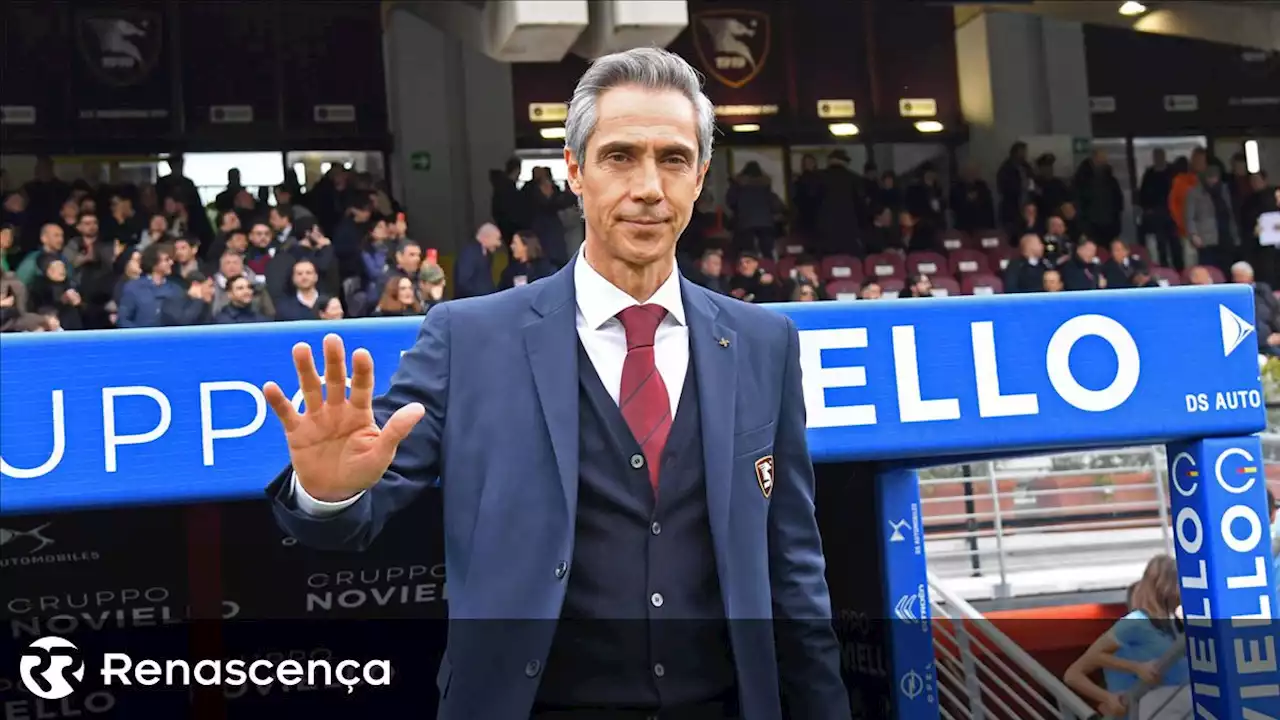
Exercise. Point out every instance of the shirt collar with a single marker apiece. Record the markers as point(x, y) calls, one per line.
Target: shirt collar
point(600, 300)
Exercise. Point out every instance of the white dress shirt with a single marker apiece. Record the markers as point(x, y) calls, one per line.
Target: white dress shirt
point(605, 340)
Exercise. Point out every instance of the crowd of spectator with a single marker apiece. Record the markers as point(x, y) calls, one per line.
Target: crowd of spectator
point(87, 255)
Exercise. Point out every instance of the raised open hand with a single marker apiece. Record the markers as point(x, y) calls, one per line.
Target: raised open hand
point(336, 447)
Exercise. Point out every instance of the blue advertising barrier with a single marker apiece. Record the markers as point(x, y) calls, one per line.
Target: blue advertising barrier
point(98, 420)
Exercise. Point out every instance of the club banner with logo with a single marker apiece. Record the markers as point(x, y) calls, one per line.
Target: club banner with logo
point(122, 70)
point(740, 49)
point(32, 101)
point(230, 88)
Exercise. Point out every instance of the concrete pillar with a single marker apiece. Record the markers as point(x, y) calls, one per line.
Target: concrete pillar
point(451, 116)
point(1008, 63)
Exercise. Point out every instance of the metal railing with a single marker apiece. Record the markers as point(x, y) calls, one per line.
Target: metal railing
point(982, 674)
point(989, 522)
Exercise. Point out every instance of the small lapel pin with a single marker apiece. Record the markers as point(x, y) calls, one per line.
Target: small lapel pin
point(724, 342)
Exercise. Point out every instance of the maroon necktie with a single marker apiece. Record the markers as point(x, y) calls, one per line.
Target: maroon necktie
point(643, 399)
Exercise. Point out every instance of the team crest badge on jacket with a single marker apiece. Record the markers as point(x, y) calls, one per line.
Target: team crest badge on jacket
point(764, 475)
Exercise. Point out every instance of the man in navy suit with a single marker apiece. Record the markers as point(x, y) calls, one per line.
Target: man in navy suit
point(629, 511)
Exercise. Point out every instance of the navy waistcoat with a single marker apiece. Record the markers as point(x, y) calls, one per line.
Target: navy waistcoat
point(643, 622)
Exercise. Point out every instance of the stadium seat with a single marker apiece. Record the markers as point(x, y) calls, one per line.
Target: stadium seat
point(1214, 273)
point(944, 286)
point(841, 267)
point(1166, 277)
point(990, 239)
point(1000, 257)
point(789, 246)
point(769, 266)
point(891, 286)
point(1103, 254)
point(884, 265)
point(1141, 251)
point(981, 284)
point(967, 260)
point(928, 263)
point(843, 289)
point(953, 240)
point(785, 265)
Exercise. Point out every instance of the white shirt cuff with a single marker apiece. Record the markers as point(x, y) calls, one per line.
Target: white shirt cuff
point(318, 508)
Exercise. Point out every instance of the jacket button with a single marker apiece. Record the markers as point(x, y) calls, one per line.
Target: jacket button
point(532, 668)
point(658, 670)
point(656, 528)
point(656, 599)
point(561, 569)
point(637, 461)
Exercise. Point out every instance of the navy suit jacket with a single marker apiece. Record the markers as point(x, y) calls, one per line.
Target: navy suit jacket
point(499, 377)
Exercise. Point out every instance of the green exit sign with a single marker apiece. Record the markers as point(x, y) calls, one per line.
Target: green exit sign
point(420, 161)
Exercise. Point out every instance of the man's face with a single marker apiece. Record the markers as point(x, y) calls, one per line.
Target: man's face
point(1031, 247)
point(260, 236)
point(1087, 251)
point(51, 237)
point(87, 226)
point(641, 173)
point(747, 266)
point(713, 265)
point(164, 264)
point(183, 252)
point(278, 221)
point(1198, 162)
point(230, 264)
point(206, 290)
point(1057, 226)
point(1052, 281)
point(1242, 276)
point(379, 232)
point(1200, 276)
point(158, 225)
point(238, 242)
point(6, 239)
point(1119, 251)
point(70, 209)
point(872, 292)
point(808, 271)
point(304, 276)
point(410, 259)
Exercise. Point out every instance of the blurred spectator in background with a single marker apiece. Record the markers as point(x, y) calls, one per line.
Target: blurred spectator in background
point(755, 210)
point(1130, 652)
point(804, 293)
point(925, 198)
point(710, 272)
point(473, 269)
point(399, 298)
point(142, 298)
point(53, 293)
point(7, 250)
point(52, 242)
point(1029, 221)
point(751, 283)
point(870, 290)
point(1083, 271)
point(527, 262)
point(1057, 244)
point(1025, 273)
point(1210, 222)
point(431, 286)
point(1260, 200)
point(838, 216)
point(918, 286)
point(546, 200)
point(806, 197)
point(1266, 308)
point(1050, 190)
point(805, 274)
point(971, 203)
point(301, 299)
point(509, 208)
point(1184, 180)
point(1199, 276)
point(1153, 200)
point(193, 307)
point(1122, 269)
point(1051, 281)
point(1101, 199)
point(238, 305)
point(1014, 184)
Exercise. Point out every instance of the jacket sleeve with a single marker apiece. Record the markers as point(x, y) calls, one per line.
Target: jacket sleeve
point(808, 651)
point(127, 312)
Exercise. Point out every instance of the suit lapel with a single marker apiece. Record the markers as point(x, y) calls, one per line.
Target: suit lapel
point(715, 360)
point(551, 344)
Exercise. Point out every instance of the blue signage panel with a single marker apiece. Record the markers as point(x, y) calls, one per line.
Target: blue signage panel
point(171, 415)
point(904, 582)
point(1223, 547)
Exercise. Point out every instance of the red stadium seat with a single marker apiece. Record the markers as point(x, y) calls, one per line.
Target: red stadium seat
point(843, 289)
point(884, 265)
point(1166, 276)
point(785, 264)
point(944, 286)
point(990, 239)
point(1000, 257)
point(1142, 252)
point(928, 263)
point(769, 266)
point(953, 240)
point(981, 284)
point(967, 260)
point(789, 246)
point(1214, 273)
point(890, 285)
point(1103, 254)
point(841, 267)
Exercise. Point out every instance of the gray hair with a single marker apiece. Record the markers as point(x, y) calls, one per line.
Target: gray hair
point(651, 68)
point(1242, 267)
